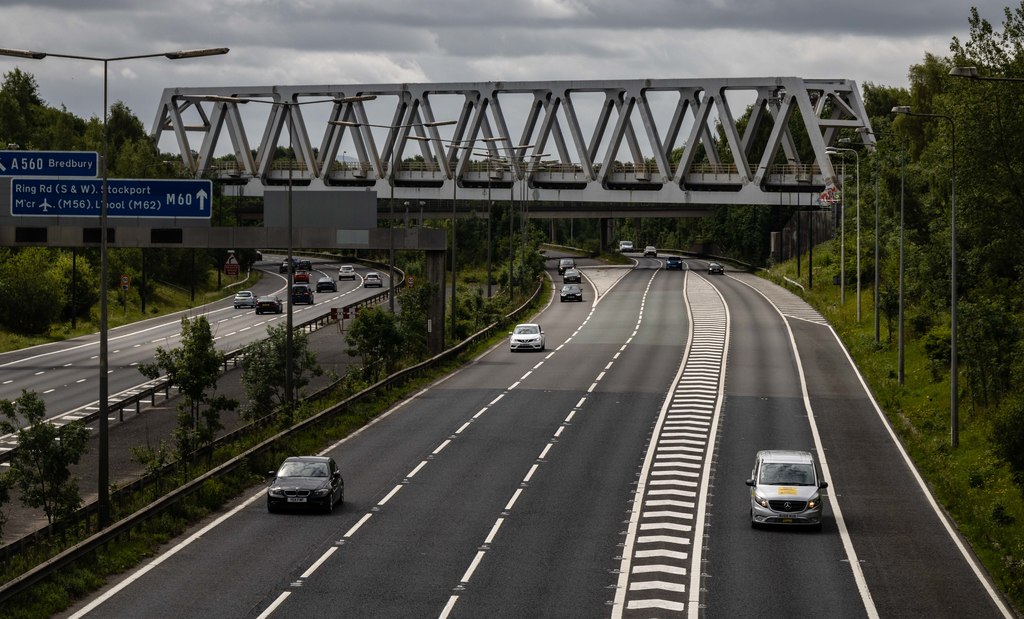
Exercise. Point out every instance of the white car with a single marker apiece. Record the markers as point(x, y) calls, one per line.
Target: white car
point(373, 280)
point(245, 298)
point(527, 336)
point(346, 271)
point(625, 245)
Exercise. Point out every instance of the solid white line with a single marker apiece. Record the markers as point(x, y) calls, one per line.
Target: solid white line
point(270, 609)
point(312, 568)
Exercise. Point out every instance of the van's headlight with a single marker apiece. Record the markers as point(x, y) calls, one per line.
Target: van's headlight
point(814, 502)
point(760, 500)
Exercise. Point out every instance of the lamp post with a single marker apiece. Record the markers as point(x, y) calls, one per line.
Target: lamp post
point(857, 155)
point(104, 456)
point(954, 430)
point(289, 314)
point(393, 173)
point(971, 73)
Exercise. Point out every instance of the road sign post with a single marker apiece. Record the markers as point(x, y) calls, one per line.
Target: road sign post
point(151, 198)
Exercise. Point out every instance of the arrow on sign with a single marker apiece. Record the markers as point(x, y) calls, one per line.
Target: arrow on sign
point(202, 199)
point(2, 168)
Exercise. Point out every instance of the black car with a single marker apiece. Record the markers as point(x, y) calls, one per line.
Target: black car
point(302, 293)
point(571, 292)
point(304, 482)
point(566, 263)
point(271, 305)
point(304, 265)
point(326, 284)
point(715, 269)
point(572, 276)
point(674, 262)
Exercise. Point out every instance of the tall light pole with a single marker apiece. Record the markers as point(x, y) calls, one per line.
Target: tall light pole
point(954, 429)
point(971, 73)
point(104, 446)
point(837, 149)
point(393, 173)
point(288, 106)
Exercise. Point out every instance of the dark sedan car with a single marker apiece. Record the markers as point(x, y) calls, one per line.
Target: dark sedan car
point(674, 262)
point(326, 284)
point(715, 269)
point(269, 305)
point(302, 293)
point(572, 276)
point(306, 481)
point(571, 292)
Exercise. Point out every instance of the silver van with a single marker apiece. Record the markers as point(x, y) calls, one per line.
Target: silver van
point(785, 489)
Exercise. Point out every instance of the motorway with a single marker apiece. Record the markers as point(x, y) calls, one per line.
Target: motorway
point(66, 374)
point(601, 477)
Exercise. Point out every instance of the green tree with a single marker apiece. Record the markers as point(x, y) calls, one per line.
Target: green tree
point(194, 367)
point(41, 466)
point(5, 497)
point(20, 109)
point(412, 321)
point(375, 337)
point(263, 371)
point(29, 273)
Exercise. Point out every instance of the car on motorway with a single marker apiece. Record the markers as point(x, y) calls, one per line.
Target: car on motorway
point(245, 298)
point(304, 265)
point(625, 245)
point(674, 262)
point(302, 293)
point(564, 264)
point(346, 271)
point(572, 276)
point(571, 292)
point(301, 277)
point(269, 305)
point(785, 489)
point(326, 284)
point(284, 265)
point(650, 252)
point(715, 268)
point(304, 482)
point(373, 280)
point(526, 336)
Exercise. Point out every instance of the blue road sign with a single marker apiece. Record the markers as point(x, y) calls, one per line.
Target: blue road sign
point(49, 163)
point(48, 197)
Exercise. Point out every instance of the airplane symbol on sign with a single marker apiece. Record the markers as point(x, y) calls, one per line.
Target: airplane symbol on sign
point(45, 205)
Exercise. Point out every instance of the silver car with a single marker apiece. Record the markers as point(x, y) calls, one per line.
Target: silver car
point(526, 337)
point(245, 298)
point(785, 489)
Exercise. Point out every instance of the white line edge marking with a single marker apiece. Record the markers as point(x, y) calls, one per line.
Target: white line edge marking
point(316, 564)
point(356, 526)
point(274, 606)
point(387, 497)
point(494, 531)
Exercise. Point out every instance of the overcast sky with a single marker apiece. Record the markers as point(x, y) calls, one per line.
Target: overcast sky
point(387, 41)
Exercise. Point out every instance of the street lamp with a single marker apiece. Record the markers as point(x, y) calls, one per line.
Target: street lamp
point(836, 149)
point(395, 148)
point(104, 456)
point(289, 314)
point(954, 430)
point(971, 73)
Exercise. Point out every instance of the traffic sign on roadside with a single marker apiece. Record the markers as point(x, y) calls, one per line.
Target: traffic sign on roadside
point(47, 197)
point(49, 163)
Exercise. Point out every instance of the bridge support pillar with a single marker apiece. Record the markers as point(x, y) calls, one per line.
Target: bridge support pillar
point(435, 267)
point(605, 227)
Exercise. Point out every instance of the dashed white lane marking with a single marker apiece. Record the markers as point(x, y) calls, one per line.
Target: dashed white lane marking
point(661, 556)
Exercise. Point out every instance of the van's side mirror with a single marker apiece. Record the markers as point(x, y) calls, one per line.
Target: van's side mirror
point(750, 482)
point(823, 484)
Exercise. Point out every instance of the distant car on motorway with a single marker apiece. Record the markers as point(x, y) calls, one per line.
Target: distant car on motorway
point(572, 276)
point(326, 284)
point(304, 265)
point(785, 489)
point(245, 298)
point(284, 266)
point(305, 482)
point(302, 293)
point(674, 262)
point(625, 245)
point(715, 268)
point(650, 252)
point(346, 271)
point(564, 264)
point(301, 277)
point(571, 292)
point(526, 336)
point(269, 305)
point(373, 280)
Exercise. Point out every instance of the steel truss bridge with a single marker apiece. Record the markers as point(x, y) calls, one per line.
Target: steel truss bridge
point(623, 158)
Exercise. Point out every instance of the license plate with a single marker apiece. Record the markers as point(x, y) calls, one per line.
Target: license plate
point(296, 499)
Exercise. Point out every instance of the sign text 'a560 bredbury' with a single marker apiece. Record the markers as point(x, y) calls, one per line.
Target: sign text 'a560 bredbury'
point(45, 197)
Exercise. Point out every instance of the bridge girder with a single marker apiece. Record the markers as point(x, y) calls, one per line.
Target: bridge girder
point(627, 159)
